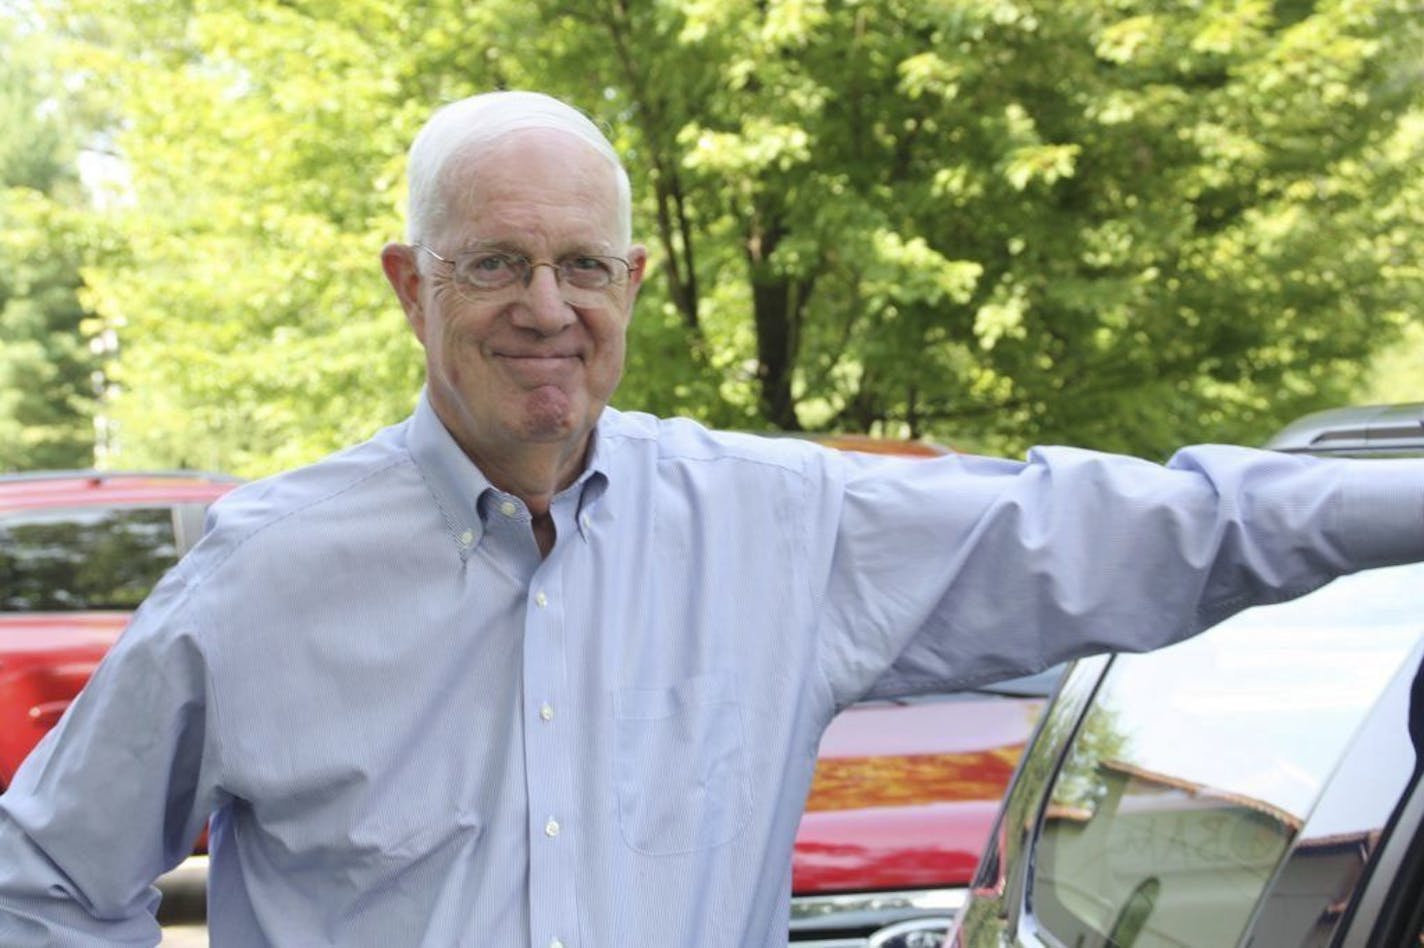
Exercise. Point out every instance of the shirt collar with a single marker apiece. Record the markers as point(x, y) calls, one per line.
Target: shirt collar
point(458, 484)
point(449, 474)
point(593, 483)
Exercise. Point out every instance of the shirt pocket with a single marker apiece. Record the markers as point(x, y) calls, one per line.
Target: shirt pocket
point(680, 766)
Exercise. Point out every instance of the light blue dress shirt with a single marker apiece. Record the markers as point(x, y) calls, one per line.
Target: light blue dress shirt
point(411, 730)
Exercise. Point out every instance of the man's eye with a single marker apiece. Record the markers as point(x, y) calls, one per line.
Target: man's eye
point(587, 271)
point(489, 266)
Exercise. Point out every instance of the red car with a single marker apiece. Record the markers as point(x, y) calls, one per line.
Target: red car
point(78, 553)
point(903, 799)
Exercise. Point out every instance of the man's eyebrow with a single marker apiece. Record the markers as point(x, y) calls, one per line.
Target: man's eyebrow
point(591, 249)
point(505, 246)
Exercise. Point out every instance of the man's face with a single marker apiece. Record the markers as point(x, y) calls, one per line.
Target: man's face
point(523, 365)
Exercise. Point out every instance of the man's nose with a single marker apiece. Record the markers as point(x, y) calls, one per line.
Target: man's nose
point(542, 306)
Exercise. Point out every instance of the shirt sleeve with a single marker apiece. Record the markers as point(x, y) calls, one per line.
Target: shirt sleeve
point(110, 799)
point(959, 571)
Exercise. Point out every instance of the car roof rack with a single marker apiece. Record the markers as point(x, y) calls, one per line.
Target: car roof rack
point(1364, 429)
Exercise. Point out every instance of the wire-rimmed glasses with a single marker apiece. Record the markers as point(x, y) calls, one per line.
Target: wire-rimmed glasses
point(480, 274)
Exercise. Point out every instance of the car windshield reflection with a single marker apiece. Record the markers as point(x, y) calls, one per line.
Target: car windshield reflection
point(1169, 817)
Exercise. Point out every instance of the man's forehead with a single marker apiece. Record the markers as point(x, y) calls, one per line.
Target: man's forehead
point(529, 149)
point(530, 176)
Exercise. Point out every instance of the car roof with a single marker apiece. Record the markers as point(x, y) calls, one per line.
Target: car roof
point(42, 489)
point(1357, 430)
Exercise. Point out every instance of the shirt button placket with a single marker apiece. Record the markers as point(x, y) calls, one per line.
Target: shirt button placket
point(552, 901)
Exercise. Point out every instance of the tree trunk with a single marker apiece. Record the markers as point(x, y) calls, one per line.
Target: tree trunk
point(778, 304)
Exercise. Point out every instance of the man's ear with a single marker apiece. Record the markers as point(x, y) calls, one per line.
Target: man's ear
point(398, 261)
point(637, 270)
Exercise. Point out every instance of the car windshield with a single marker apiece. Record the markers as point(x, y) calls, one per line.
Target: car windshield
point(1273, 746)
point(100, 558)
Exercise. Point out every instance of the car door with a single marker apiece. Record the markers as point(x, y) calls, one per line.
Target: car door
point(1389, 910)
point(1240, 788)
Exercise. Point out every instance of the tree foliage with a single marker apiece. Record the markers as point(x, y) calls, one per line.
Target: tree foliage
point(1119, 223)
point(47, 366)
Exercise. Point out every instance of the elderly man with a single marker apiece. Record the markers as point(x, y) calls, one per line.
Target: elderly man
point(526, 670)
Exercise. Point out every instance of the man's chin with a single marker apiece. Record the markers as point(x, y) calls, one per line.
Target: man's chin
point(550, 415)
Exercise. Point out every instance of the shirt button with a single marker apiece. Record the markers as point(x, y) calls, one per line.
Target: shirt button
point(508, 508)
point(541, 600)
point(546, 712)
point(467, 538)
point(551, 828)
point(556, 943)
point(585, 520)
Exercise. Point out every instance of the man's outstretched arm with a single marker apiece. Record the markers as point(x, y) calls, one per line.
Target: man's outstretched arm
point(963, 570)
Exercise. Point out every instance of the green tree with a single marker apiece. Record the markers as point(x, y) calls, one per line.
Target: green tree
point(47, 367)
point(1120, 224)
point(263, 147)
point(1125, 225)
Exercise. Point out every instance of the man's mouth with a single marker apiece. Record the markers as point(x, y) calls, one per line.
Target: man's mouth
point(549, 358)
point(533, 366)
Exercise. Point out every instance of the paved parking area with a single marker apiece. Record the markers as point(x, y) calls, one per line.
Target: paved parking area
point(183, 906)
point(184, 936)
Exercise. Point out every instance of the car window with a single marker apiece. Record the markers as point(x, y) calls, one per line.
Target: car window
point(85, 558)
point(1205, 773)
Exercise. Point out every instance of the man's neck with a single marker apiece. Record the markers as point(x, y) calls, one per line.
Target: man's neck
point(535, 474)
point(532, 472)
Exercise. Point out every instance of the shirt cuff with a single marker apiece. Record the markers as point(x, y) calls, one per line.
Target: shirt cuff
point(1382, 512)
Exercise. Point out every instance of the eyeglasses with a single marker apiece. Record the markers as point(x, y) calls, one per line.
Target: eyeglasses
point(478, 274)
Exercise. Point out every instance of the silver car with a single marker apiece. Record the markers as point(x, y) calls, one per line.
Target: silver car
point(1258, 785)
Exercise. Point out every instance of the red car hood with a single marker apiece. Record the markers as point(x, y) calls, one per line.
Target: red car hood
point(905, 795)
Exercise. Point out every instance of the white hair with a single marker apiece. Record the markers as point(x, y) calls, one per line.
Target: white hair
point(481, 120)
